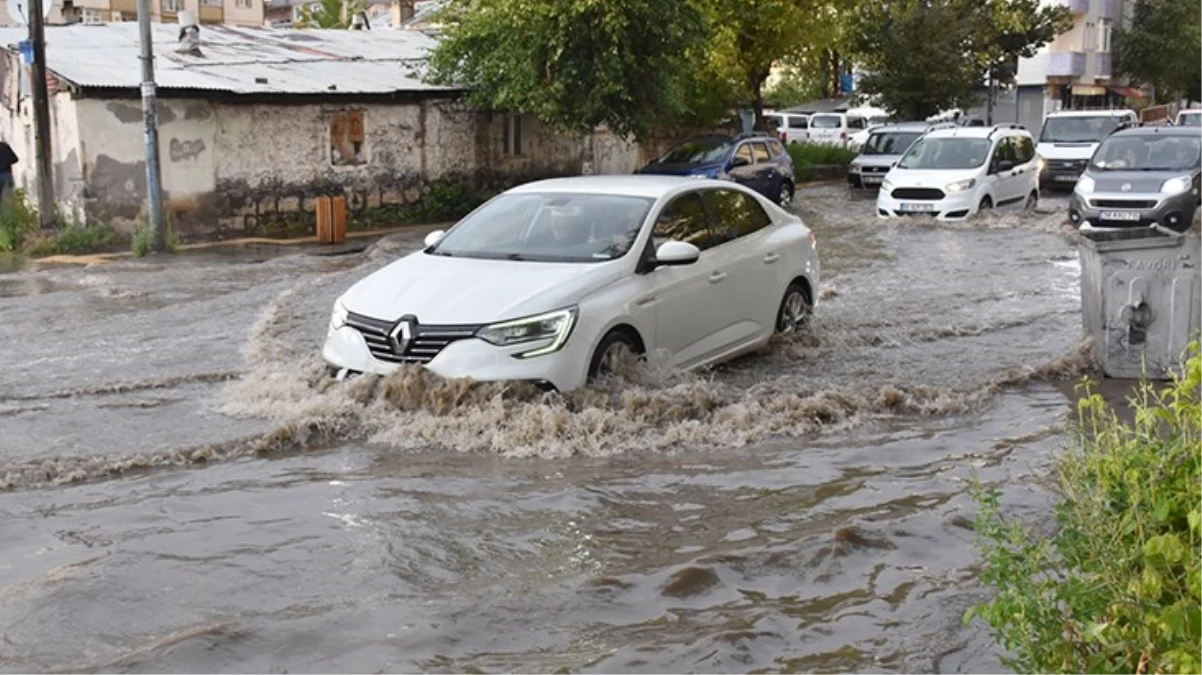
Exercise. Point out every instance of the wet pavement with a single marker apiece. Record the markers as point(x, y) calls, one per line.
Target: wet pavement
point(182, 490)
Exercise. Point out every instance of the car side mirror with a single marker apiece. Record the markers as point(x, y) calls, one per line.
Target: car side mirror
point(1004, 165)
point(675, 253)
point(739, 161)
point(434, 237)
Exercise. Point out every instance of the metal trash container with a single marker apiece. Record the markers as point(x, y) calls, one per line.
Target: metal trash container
point(1141, 298)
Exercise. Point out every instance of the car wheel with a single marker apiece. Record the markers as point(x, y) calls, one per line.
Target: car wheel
point(986, 204)
point(1032, 200)
point(786, 194)
point(795, 309)
point(615, 346)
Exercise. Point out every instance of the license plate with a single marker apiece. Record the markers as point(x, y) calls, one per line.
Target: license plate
point(915, 207)
point(1066, 179)
point(1119, 215)
point(871, 179)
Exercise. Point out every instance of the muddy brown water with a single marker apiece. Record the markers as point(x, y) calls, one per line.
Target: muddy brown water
point(182, 490)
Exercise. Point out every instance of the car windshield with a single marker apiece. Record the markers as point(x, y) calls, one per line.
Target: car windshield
point(1078, 129)
point(701, 150)
point(826, 122)
point(946, 153)
point(548, 227)
point(889, 143)
point(1190, 120)
point(1148, 153)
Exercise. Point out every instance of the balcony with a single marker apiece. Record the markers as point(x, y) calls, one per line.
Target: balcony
point(1066, 64)
point(1074, 6)
point(211, 13)
point(124, 6)
point(1108, 9)
point(1100, 65)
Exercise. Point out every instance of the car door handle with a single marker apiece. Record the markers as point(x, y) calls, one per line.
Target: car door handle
point(717, 277)
point(646, 300)
point(771, 258)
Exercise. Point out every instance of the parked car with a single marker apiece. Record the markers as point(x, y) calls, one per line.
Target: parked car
point(1141, 177)
point(884, 147)
point(790, 127)
point(756, 160)
point(955, 173)
point(835, 128)
point(1189, 118)
point(551, 281)
point(1069, 138)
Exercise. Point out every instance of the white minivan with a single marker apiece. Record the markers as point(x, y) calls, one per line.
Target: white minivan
point(835, 128)
point(790, 127)
point(1069, 138)
point(952, 174)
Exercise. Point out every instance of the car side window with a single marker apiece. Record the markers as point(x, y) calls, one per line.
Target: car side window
point(744, 151)
point(798, 123)
point(776, 148)
point(1004, 152)
point(683, 219)
point(1026, 150)
point(735, 214)
point(761, 152)
point(855, 122)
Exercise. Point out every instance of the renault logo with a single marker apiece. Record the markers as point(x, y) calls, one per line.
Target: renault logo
point(401, 335)
point(1126, 187)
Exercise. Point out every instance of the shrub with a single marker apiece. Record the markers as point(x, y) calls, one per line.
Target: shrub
point(17, 221)
point(1118, 586)
point(820, 154)
point(143, 239)
point(73, 237)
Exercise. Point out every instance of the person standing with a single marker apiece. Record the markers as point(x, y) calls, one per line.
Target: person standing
point(7, 159)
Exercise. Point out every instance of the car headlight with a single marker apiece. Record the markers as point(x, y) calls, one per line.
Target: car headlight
point(338, 318)
point(1085, 185)
point(961, 186)
point(1175, 186)
point(555, 326)
point(1040, 163)
point(854, 168)
point(886, 186)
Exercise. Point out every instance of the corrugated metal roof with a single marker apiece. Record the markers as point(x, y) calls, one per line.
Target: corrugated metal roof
point(239, 60)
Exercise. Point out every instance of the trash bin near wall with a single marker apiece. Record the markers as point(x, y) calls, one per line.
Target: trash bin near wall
point(1141, 299)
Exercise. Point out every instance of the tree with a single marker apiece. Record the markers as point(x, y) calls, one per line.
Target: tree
point(1005, 30)
point(916, 54)
point(574, 64)
point(1162, 46)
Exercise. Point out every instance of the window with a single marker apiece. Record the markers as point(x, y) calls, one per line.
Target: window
point(244, 4)
point(1089, 39)
point(92, 16)
point(776, 148)
point(798, 123)
point(735, 214)
point(856, 123)
point(1004, 152)
point(346, 138)
point(1105, 28)
point(1026, 149)
point(889, 142)
point(946, 152)
point(173, 5)
point(699, 150)
point(683, 220)
point(511, 136)
point(212, 3)
point(826, 122)
point(744, 151)
point(761, 152)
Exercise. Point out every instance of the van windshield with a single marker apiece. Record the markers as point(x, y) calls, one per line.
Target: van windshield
point(826, 122)
point(1078, 129)
point(888, 143)
point(1159, 153)
point(946, 153)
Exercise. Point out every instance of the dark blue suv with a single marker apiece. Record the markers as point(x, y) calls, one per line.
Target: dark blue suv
point(758, 161)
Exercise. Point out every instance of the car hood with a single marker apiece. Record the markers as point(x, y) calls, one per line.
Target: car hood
point(876, 160)
point(932, 178)
point(679, 169)
point(1069, 151)
point(442, 290)
point(1137, 181)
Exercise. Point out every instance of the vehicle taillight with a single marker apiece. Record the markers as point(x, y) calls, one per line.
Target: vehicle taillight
point(843, 135)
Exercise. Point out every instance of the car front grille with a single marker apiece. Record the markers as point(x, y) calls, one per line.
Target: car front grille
point(425, 341)
point(874, 169)
point(929, 194)
point(1124, 203)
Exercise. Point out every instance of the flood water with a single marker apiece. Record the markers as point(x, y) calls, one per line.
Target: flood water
point(182, 490)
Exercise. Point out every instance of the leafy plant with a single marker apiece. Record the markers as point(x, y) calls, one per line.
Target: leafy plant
point(17, 221)
point(1118, 588)
point(143, 239)
point(73, 237)
point(1162, 44)
point(330, 14)
point(820, 154)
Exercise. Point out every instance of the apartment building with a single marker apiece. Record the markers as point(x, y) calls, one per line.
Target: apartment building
point(231, 12)
point(1076, 70)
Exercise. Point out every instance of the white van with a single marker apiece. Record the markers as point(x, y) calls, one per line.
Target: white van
point(1189, 118)
point(790, 127)
point(1069, 138)
point(836, 128)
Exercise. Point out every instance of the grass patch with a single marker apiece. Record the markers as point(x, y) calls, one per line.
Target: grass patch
point(808, 157)
point(18, 221)
point(143, 239)
point(1118, 586)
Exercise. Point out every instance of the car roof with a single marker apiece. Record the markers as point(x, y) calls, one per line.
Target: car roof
point(1180, 132)
point(653, 186)
point(977, 132)
point(1091, 113)
point(902, 126)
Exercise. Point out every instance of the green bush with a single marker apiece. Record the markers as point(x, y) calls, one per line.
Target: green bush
point(820, 154)
point(1118, 586)
point(143, 239)
point(73, 237)
point(17, 221)
point(445, 201)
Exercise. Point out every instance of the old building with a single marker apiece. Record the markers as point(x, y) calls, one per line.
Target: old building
point(232, 12)
point(262, 121)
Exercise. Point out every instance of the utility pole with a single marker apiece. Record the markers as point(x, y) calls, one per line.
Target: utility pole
point(41, 117)
point(154, 187)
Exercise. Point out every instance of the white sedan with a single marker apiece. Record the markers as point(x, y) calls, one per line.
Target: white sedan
point(549, 281)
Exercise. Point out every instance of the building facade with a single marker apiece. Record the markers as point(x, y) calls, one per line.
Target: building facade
point(232, 12)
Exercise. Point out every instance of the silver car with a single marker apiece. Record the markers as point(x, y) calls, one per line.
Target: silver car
point(884, 147)
point(1140, 177)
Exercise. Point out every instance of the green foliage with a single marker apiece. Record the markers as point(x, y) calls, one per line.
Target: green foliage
point(820, 154)
point(17, 221)
point(1005, 30)
point(574, 64)
point(330, 14)
point(1118, 588)
point(793, 88)
point(73, 237)
point(445, 201)
point(143, 239)
point(1162, 45)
